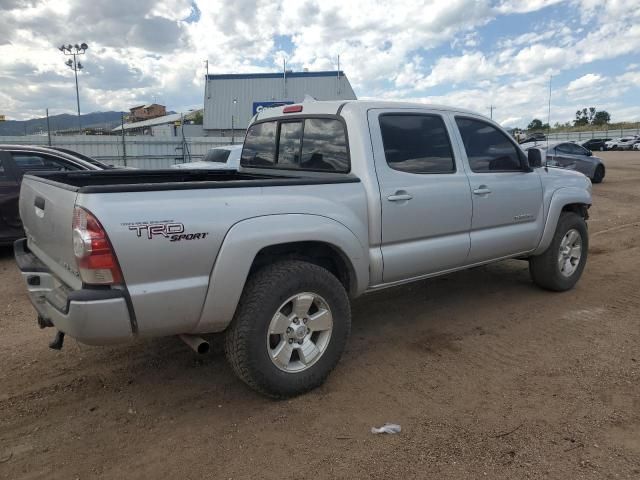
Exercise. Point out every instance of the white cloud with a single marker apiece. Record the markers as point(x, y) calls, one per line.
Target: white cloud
point(389, 48)
point(524, 6)
point(586, 81)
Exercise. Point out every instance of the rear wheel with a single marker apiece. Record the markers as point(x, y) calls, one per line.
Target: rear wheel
point(290, 328)
point(561, 265)
point(598, 175)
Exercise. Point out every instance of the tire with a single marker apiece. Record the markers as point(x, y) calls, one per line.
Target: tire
point(250, 347)
point(598, 175)
point(602, 149)
point(545, 269)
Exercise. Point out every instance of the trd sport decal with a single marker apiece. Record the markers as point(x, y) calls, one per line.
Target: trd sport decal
point(174, 231)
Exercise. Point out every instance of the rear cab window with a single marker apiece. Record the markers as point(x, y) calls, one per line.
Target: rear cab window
point(309, 143)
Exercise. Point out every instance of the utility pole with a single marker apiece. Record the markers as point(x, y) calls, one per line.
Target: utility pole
point(124, 144)
point(48, 128)
point(491, 109)
point(233, 128)
point(75, 65)
point(338, 78)
point(549, 112)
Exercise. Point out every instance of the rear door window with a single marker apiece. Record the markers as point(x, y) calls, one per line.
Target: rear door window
point(416, 143)
point(306, 144)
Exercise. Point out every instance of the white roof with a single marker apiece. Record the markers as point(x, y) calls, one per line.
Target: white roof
point(331, 107)
point(174, 117)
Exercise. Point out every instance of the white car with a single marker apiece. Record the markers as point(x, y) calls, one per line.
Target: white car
point(624, 143)
point(637, 146)
point(225, 157)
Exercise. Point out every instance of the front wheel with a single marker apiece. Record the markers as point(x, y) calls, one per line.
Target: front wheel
point(290, 328)
point(559, 268)
point(598, 175)
point(602, 149)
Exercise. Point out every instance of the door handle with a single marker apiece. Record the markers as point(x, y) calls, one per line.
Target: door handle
point(39, 203)
point(399, 197)
point(481, 190)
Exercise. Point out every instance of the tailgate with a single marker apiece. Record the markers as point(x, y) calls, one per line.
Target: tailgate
point(46, 210)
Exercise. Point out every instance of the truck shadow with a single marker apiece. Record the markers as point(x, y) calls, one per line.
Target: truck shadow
point(164, 373)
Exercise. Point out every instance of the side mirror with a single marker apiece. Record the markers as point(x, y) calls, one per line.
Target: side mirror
point(534, 158)
point(589, 153)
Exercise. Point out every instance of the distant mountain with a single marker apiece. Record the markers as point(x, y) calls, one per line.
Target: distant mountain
point(64, 121)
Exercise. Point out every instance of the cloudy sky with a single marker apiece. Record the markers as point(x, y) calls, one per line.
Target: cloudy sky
point(458, 52)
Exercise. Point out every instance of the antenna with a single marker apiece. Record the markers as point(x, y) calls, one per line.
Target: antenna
point(206, 80)
point(548, 126)
point(284, 78)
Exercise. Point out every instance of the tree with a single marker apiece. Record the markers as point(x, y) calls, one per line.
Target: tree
point(197, 118)
point(591, 116)
point(601, 118)
point(582, 118)
point(535, 125)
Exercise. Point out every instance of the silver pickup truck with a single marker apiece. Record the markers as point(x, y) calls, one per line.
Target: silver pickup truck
point(333, 200)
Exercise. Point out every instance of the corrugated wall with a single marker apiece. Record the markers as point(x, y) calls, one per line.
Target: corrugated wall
point(220, 92)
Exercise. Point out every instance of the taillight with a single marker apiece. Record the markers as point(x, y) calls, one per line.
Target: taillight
point(95, 256)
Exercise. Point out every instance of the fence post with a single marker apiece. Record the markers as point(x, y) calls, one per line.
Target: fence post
point(48, 128)
point(124, 144)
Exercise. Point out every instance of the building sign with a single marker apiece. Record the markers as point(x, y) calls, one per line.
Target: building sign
point(258, 106)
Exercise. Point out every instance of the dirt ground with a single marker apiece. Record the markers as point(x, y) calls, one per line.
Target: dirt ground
point(489, 376)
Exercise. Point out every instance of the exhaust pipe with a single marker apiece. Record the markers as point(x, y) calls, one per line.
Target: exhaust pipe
point(197, 344)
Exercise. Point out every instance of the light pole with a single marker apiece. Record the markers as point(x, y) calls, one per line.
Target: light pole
point(75, 65)
point(233, 129)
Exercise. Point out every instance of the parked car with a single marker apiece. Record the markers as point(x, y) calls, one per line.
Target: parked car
point(272, 254)
point(624, 143)
point(572, 156)
point(636, 146)
point(219, 158)
point(596, 144)
point(15, 161)
point(535, 138)
point(82, 156)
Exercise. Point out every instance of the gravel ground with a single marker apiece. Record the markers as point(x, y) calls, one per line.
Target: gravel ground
point(488, 375)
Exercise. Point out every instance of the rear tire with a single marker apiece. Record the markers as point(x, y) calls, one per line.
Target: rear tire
point(276, 293)
point(598, 175)
point(556, 269)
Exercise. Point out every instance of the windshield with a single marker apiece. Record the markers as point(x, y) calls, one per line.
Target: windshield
point(217, 155)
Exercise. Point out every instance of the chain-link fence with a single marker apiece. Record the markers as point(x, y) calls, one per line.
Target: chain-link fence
point(584, 136)
point(132, 151)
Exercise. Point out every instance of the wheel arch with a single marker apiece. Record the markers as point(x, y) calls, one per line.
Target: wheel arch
point(259, 241)
point(563, 200)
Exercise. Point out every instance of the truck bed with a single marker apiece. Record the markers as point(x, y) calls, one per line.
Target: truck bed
point(111, 181)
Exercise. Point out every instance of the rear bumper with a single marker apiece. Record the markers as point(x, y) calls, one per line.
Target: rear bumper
point(92, 316)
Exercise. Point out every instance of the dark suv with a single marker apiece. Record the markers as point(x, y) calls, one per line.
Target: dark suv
point(15, 161)
point(596, 144)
